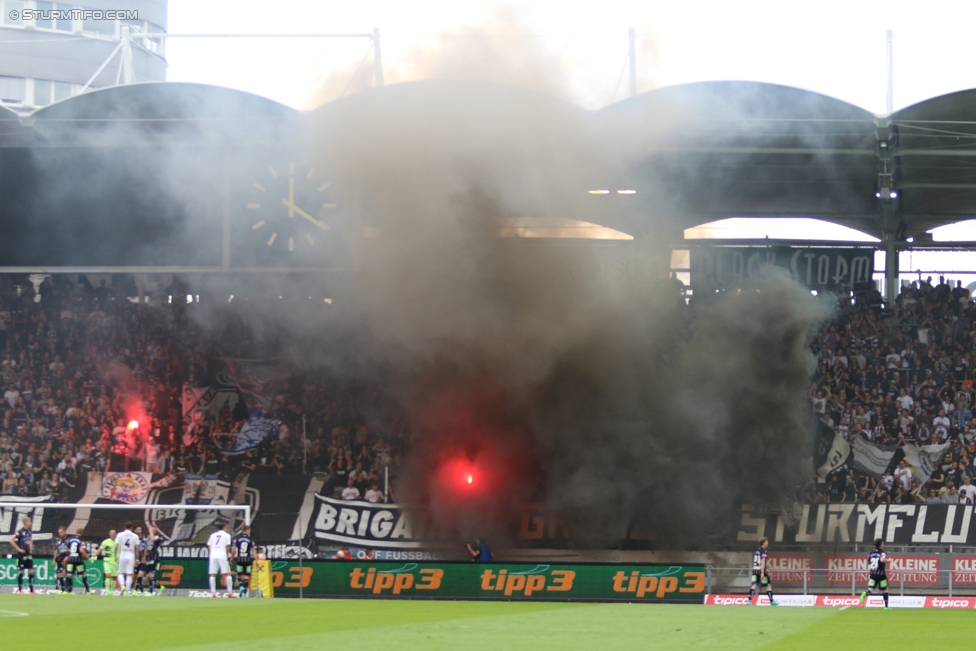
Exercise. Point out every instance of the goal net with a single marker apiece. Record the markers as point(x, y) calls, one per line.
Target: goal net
point(183, 527)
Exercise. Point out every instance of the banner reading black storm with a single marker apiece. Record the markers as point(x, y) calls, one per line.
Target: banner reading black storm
point(902, 524)
point(731, 267)
point(465, 580)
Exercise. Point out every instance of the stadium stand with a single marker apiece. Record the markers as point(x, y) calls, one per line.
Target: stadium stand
point(899, 375)
point(78, 361)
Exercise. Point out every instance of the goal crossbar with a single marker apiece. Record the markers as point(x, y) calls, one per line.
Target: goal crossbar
point(246, 508)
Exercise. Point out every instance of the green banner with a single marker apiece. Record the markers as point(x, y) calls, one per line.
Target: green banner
point(44, 573)
point(451, 580)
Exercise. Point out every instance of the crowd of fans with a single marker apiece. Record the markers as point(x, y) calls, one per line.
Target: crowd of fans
point(79, 363)
point(900, 375)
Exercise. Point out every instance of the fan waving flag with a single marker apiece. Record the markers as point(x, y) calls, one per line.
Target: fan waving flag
point(256, 431)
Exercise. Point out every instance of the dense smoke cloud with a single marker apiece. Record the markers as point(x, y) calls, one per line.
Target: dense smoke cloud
point(556, 377)
point(599, 395)
point(500, 49)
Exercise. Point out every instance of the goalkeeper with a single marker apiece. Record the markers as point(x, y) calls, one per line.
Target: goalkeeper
point(109, 562)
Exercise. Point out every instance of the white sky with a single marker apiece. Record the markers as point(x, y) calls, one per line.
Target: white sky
point(832, 47)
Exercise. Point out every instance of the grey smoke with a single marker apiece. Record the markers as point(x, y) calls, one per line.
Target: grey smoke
point(600, 396)
point(593, 391)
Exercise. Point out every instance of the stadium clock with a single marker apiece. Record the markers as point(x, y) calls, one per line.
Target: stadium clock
point(290, 207)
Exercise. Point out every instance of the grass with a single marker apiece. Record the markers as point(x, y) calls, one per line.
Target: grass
point(107, 623)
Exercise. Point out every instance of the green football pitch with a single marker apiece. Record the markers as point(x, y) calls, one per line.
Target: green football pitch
point(106, 623)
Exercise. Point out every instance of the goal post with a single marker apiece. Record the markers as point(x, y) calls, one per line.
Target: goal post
point(174, 521)
point(184, 528)
point(27, 507)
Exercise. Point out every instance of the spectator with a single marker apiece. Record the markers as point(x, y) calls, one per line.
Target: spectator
point(961, 416)
point(481, 552)
point(967, 490)
point(375, 495)
point(903, 475)
point(950, 496)
point(350, 492)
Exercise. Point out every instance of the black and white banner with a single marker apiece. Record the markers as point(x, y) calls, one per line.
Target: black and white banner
point(831, 451)
point(364, 524)
point(875, 459)
point(902, 524)
point(10, 517)
point(730, 267)
point(871, 458)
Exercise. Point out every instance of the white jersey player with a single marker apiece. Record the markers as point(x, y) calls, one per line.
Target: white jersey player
point(127, 545)
point(219, 544)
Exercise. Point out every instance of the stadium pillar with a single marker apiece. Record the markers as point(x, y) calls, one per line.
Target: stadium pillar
point(127, 69)
point(225, 215)
point(377, 59)
point(891, 269)
point(890, 103)
point(632, 61)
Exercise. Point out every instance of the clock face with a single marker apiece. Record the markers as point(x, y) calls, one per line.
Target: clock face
point(290, 208)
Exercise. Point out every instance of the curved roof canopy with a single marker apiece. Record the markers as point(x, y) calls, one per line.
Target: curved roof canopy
point(934, 145)
point(161, 107)
point(738, 149)
point(694, 153)
point(728, 149)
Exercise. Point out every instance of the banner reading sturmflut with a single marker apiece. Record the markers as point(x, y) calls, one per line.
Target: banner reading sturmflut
point(847, 522)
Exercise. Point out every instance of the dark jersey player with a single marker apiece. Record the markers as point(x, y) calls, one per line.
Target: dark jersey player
point(75, 563)
point(60, 556)
point(760, 572)
point(149, 555)
point(243, 559)
point(23, 544)
point(877, 572)
point(140, 577)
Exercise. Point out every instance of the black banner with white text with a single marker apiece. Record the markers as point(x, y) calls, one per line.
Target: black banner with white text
point(830, 524)
point(731, 267)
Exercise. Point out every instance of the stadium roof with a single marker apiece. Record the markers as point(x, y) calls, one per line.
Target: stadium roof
point(713, 149)
point(733, 149)
point(746, 149)
point(155, 108)
point(936, 150)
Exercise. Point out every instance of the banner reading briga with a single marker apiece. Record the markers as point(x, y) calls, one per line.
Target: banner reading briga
point(375, 526)
point(910, 570)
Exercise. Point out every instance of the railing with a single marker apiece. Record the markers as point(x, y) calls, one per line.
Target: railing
point(843, 581)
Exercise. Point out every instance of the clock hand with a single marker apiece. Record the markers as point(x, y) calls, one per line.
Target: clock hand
point(291, 197)
point(291, 206)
